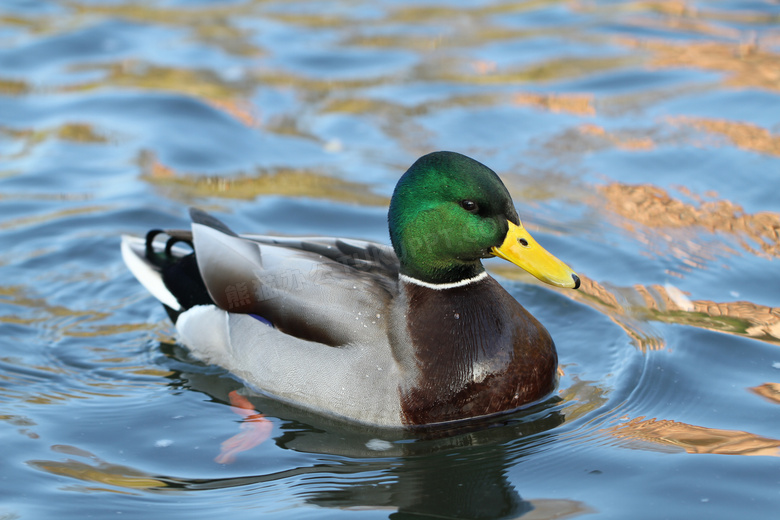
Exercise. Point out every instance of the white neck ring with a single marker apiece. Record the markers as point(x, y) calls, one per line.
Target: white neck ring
point(442, 286)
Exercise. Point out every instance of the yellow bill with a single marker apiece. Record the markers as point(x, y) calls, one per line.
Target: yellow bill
point(521, 249)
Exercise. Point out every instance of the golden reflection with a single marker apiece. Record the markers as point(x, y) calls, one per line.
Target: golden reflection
point(99, 472)
point(219, 26)
point(23, 423)
point(400, 114)
point(399, 493)
point(669, 435)
point(478, 34)
point(415, 14)
point(289, 126)
point(583, 397)
point(419, 43)
point(316, 88)
point(685, 16)
point(632, 318)
point(667, 304)
point(683, 23)
point(30, 139)
point(620, 140)
point(59, 215)
point(484, 66)
point(617, 304)
point(635, 308)
point(15, 387)
point(242, 111)
point(746, 65)
point(80, 132)
point(67, 322)
point(679, 15)
point(211, 24)
point(221, 95)
point(667, 7)
point(358, 105)
point(653, 207)
point(310, 20)
point(10, 87)
point(556, 509)
point(550, 70)
point(108, 330)
point(283, 181)
point(135, 74)
point(528, 184)
point(742, 135)
point(769, 391)
point(576, 142)
point(206, 85)
point(576, 104)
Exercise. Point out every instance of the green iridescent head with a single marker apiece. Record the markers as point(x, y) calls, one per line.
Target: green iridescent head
point(446, 214)
point(449, 211)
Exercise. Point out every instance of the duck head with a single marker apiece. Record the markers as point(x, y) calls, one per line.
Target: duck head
point(448, 212)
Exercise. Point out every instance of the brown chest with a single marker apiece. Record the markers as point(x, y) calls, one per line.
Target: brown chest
point(477, 352)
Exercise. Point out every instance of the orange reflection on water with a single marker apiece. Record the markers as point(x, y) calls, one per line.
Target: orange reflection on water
point(769, 391)
point(742, 135)
point(100, 476)
point(632, 318)
point(484, 66)
point(30, 139)
point(747, 65)
point(577, 104)
point(758, 321)
point(633, 308)
point(242, 110)
point(653, 207)
point(669, 435)
point(282, 181)
point(624, 142)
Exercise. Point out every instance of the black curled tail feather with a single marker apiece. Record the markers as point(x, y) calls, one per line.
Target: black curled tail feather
point(179, 271)
point(164, 257)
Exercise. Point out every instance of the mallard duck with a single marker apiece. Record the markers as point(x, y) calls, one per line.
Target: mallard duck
point(414, 334)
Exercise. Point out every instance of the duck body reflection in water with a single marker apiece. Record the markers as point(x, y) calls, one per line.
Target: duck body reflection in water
point(445, 471)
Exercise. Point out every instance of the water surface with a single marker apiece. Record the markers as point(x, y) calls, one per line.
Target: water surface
point(639, 139)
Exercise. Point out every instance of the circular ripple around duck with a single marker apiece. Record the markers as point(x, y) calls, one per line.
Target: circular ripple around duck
point(603, 368)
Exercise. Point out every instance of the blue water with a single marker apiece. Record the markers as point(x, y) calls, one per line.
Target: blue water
point(640, 142)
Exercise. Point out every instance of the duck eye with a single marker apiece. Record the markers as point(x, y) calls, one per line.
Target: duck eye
point(469, 205)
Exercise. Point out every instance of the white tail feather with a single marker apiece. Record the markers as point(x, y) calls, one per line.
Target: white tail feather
point(146, 274)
